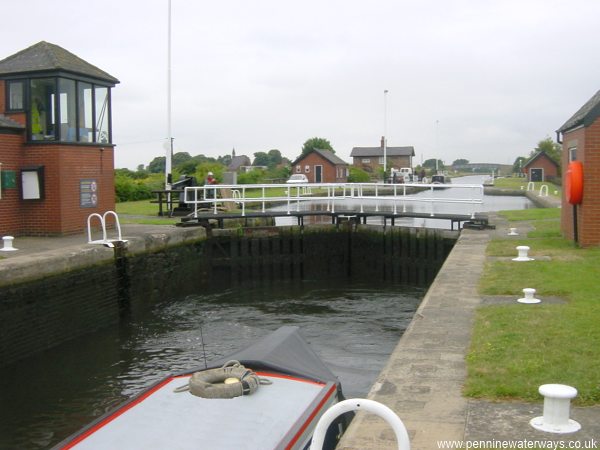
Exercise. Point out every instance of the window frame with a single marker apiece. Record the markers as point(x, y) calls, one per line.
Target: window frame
point(8, 105)
point(99, 136)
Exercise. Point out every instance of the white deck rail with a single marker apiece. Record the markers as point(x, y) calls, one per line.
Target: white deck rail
point(333, 195)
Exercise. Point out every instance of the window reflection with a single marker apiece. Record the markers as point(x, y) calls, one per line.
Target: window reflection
point(43, 97)
point(102, 115)
point(68, 117)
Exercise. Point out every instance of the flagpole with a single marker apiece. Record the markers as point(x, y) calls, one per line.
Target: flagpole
point(169, 143)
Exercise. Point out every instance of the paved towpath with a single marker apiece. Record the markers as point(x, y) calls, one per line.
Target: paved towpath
point(423, 379)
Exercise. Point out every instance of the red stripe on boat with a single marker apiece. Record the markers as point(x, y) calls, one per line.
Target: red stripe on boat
point(311, 417)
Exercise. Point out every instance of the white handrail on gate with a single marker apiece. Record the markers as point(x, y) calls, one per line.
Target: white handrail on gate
point(360, 404)
point(530, 186)
point(333, 194)
point(104, 241)
point(543, 190)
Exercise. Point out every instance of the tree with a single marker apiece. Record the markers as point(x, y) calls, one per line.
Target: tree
point(316, 144)
point(518, 164)
point(431, 164)
point(460, 162)
point(261, 159)
point(180, 158)
point(275, 157)
point(157, 165)
point(551, 148)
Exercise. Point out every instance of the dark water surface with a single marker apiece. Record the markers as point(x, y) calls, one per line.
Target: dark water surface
point(353, 328)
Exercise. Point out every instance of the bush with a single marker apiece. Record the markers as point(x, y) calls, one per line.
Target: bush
point(129, 189)
point(358, 176)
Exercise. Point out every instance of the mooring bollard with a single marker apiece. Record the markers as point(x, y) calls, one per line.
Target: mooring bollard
point(522, 255)
point(557, 407)
point(8, 244)
point(513, 232)
point(529, 296)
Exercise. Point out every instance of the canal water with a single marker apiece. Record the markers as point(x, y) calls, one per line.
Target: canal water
point(354, 328)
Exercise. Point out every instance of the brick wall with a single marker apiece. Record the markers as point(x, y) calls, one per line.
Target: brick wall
point(587, 142)
point(373, 165)
point(329, 174)
point(10, 203)
point(550, 169)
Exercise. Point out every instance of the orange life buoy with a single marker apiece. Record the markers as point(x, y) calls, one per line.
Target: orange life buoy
point(574, 183)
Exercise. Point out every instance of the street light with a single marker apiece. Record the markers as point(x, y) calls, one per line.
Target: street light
point(385, 92)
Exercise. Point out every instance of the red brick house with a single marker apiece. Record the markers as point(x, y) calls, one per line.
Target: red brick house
point(580, 138)
point(56, 151)
point(321, 166)
point(370, 159)
point(540, 167)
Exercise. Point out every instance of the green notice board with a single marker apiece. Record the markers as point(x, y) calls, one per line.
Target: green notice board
point(9, 179)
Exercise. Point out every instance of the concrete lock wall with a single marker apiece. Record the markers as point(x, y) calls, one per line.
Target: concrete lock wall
point(41, 313)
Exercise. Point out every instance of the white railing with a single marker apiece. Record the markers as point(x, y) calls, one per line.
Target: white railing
point(102, 219)
point(369, 195)
point(360, 404)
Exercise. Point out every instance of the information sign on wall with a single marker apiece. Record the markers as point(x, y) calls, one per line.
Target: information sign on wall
point(88, 193)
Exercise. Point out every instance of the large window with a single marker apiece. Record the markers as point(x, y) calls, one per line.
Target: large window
point(42, 109)
point(86, 122)
point(63, 109)
point(102, 114)
point(68, 110)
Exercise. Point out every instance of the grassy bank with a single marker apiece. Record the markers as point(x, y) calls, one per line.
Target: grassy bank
point(142, 212)
point(515, 347)
point(521, 184)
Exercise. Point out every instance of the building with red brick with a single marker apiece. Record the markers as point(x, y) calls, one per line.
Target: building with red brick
point(540, 167)
point(580, 138)
point(321, 166)
point(370, 159)
point(56, 150)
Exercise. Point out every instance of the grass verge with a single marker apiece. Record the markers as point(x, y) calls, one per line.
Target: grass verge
point(516, 348)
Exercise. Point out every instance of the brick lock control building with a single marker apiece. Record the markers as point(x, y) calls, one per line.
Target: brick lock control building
point(580, 138)
point(56, 151)
point(321, 166)
point(540, 167)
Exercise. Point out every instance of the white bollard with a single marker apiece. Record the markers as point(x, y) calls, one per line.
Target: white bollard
point(522, 255)
point(8, 244)
point(513, 232)
point(557, 406)
point(529, 296)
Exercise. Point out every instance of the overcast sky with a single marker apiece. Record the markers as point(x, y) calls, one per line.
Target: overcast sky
point(483, 80)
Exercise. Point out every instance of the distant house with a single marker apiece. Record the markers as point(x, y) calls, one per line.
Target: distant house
point(321, 166)
point(581, 143)
point(239, 164)
point(370, 159)
point(540, 167)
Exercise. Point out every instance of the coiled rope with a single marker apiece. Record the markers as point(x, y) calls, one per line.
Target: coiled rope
point(229, 381)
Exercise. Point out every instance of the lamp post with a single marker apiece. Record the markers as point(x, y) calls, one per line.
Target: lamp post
point(385, 92)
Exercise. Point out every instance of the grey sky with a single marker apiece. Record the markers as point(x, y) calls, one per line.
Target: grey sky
point(498, 75)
